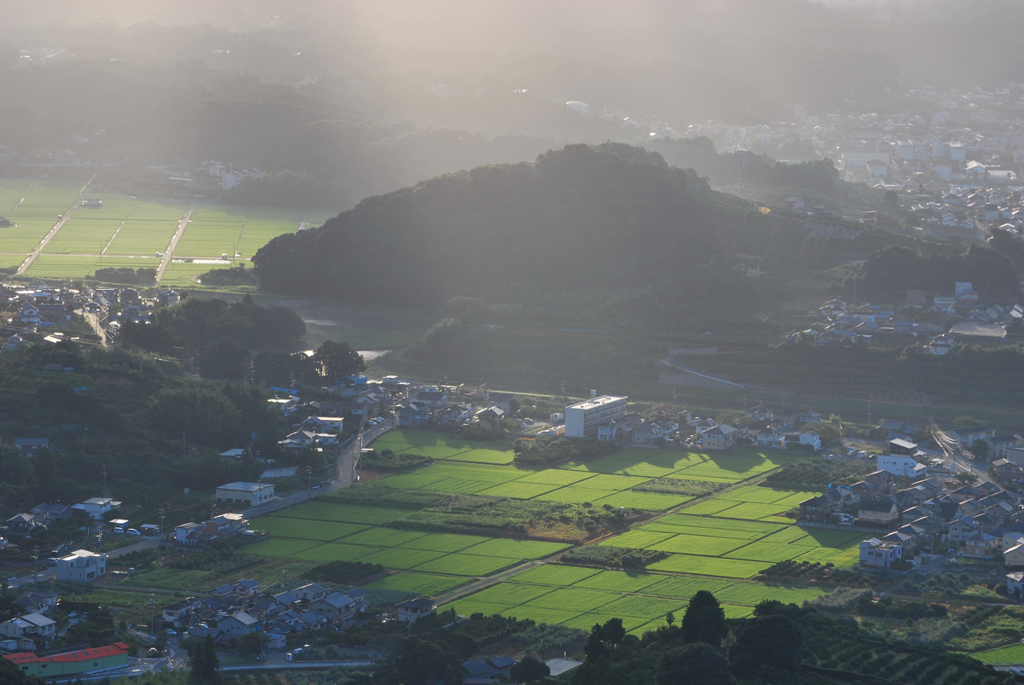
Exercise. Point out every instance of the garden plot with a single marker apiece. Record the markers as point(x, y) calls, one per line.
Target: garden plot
point(460, 564)
point(619, 581)
point(303, 529)
point(649, 501)
point(280, 548)
point(421, 583)
point(702, 546)
point(709, 566)
point(516, 549)
point(333, 551)
point(347, 513)
point(401, 558)
point(554, 574)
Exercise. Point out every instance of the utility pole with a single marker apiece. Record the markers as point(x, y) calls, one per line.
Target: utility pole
point(104, 479)
point(152, 613)
point(161, 521)
point(35, 559)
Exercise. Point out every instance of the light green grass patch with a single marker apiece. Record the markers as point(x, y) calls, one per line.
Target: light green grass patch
point(516, 549)
point(709, 507)
point(684, 587)
point(701, 531)
point(709, 566)
point(402, 558)
point(848, 556)
point(648, 501)
point(755, 493)
point(383, 537)
point(467, 607)
point(460, 564)
point(573, 599)
point(555, 477)
point(541, 615)
point(554, 574)
point(349, 513)
point(518, 490)
point(737, 611)
point(573, 494)
point(279, 548)
point(639, 606)
point(752, 594)
point(614, 482)
point(444, 542)
point(720, 524)
point(752, 511)
point(764, 550)
point(333, 551)
point(641, 538)
point(421, 583)
point(512, 594)
point(304, 529)
point(484, 456)
point(701, 545)
point(619, 581)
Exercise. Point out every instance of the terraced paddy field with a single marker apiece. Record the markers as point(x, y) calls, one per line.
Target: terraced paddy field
point(716, 542)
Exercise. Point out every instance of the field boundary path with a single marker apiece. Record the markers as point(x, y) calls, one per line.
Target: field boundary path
point(53, 231)
point(485, 582)
point(182, 225)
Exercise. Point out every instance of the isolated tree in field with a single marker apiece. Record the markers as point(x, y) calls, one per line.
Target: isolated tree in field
point(694, 664)
point(334, 360)
point(670, 618)
point(704, 620)
point(528, 669)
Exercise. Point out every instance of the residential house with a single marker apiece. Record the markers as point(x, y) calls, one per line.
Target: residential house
point(50, 513)
point(811, 439)
point(997, 446)
point(501, 400)
point(432, 397)
point(491, 419)
point(981, 545)
point(44, 603)
point(310, 592)
point(21, 524)
point(412, 610)
point(31, 446)
point(880, 553)
point(238, 624)
point(818, 509)
point(648, 435)
point(323, 424)
point(41, 630)
point(198, 534)
point(1015, 584)
point(180, 614)
point(901, 465)
point(721, 437)
point(413, 414)
point(300, 439)
point(81, 566)
point(968, 436)
point(771, 438)
point(1014, 556)
point(336, 607)
point(882, 510)
point(96, 507)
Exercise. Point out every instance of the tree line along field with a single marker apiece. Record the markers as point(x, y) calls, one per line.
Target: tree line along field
point(717, 542)
point(130, 232)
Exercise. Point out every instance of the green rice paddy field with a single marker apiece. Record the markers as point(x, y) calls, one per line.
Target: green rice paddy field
point(718, 543)
point(129, 232)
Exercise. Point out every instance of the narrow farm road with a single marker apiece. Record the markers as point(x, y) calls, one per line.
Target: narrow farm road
point(182, 225)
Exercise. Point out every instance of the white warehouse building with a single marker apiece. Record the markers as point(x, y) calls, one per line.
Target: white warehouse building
point(583, 418)
point(253, 494)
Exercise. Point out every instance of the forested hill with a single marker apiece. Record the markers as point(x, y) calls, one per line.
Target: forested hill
point(581, 218)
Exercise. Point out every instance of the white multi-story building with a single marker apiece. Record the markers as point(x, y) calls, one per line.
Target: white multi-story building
point(901, 465)
point(81, 566)
point(583, 418)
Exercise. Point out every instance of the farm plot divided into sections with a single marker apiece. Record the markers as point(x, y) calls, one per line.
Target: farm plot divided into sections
point(717, 544)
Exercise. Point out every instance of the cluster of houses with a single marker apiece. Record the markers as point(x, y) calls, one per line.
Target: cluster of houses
point(765, 427)
point(48, 513)
point(843, 324)
point(35, 628)
point(231, 611)
point(982, 520)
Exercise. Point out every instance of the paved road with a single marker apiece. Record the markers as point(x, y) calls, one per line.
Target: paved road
point(53, 231)
point(182, 225)
point(50, 573)
point(954, 453)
